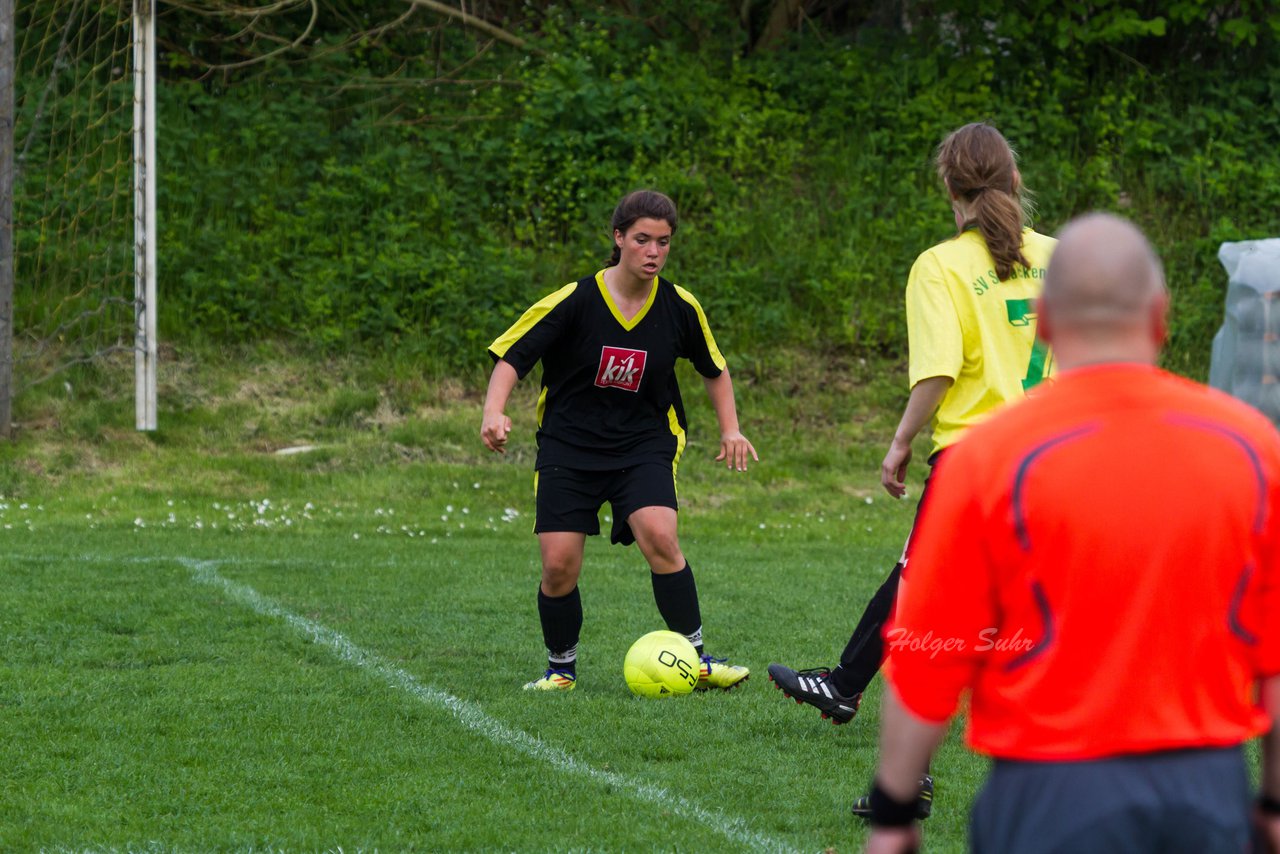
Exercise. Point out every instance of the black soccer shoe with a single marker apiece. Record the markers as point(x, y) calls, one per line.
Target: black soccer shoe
point(924, 803)
point(815, 688)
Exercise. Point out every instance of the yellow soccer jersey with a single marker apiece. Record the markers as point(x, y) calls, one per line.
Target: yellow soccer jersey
point(964, 323)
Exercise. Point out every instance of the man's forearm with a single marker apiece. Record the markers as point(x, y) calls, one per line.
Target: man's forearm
point(1270, 690)
point(907, 744)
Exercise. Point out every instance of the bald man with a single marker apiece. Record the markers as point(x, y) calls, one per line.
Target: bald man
point(1099, 569)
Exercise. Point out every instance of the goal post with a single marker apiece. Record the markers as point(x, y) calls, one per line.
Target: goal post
point(144, 207)
point(6, 218)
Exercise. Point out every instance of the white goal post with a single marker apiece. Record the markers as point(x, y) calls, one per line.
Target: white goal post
point(6, 216)
point(144, 212)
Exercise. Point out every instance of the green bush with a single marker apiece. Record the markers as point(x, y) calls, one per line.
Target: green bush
point(291, 208)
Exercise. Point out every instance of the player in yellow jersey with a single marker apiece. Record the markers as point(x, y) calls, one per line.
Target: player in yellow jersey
point(971, 328)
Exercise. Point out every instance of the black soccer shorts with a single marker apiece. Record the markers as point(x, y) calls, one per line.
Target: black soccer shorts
point(570, 499)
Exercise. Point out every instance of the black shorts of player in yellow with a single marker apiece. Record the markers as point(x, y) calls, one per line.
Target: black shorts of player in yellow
point(570, 499)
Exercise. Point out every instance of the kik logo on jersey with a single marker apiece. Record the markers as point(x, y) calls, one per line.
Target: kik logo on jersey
point(620, 368)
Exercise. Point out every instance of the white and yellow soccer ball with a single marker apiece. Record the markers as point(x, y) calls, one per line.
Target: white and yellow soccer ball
point(661, 664)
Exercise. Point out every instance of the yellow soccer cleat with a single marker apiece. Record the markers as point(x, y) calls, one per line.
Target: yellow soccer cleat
point(716, 673)
point(553, 680)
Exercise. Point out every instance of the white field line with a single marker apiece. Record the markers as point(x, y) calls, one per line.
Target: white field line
point(474, 718)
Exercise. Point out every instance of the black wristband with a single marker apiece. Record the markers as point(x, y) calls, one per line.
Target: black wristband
point(1268, 805)
point(888, 812)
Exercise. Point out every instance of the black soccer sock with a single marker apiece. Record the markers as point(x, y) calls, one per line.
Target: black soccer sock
point(864, 653)
point(561, 618)
point(676, 594)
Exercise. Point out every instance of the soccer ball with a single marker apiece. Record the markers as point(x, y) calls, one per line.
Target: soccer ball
point(661, 664)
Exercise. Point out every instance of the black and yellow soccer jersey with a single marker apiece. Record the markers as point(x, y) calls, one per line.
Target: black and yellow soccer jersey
point(609, 393)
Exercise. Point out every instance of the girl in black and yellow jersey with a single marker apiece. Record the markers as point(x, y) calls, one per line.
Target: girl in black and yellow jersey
point(611, 427)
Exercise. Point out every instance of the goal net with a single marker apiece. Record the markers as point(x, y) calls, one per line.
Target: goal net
point(74, 210)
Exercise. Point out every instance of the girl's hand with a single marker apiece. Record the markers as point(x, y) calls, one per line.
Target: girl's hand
point(734, 450)
point(494, 430)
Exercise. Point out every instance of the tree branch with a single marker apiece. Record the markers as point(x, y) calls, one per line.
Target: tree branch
point(469, 20)
point(315, 13)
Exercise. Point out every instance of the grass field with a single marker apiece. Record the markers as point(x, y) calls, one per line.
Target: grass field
point(213, 646)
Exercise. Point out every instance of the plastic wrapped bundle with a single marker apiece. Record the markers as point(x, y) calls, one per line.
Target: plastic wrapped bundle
point(1246, 350)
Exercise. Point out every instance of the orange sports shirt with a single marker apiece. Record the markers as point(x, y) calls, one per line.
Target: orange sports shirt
point(1099, 566)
